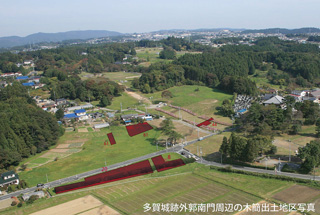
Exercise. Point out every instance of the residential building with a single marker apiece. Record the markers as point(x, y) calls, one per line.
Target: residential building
point(8, 178)
point(276, 100)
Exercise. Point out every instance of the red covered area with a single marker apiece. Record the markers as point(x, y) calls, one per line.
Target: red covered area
point(162, 165)
point(205, 123)
point(138, 128)
point(130, 171)
point(111, 138)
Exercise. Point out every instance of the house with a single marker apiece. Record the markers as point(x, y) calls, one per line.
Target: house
point(21, 78)
point(86, 106)
point(28, 84)
point(276, 100)
point(70, 116)
point(110, 115)
point(62, 101)
point(102, 125)
point(81, 114)
point(40, 194)
point(8, 178)
point(128, 117)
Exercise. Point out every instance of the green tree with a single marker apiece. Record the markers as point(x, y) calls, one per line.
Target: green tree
point(166, 94)
point(104, 101)
point(225, 147)
point(59, 114)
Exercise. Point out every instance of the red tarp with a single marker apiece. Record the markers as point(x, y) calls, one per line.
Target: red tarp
point(133, 170)
point(205, 123)
point(162, 165)
point(138, 128)
point(111, 138)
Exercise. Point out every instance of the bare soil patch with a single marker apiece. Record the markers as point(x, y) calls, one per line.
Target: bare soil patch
point(76, 140)
point(138, 97)
point(297, 194)
point(102, 210)
point(63, 146)
point(72, 207)
point(59, 150)
point(285, 144)
point(82, 130)
point(5, 203)
point(208, 102)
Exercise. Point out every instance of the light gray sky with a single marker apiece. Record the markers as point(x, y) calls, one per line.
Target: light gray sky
point(24, 17)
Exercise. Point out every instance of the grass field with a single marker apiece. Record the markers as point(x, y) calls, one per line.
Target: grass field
point(151, 55)
point(126, 100)
point(113, 76)
point(260, 78)
point(210, 146)
point(94, 153)
point(192, 183)
point(202, 102)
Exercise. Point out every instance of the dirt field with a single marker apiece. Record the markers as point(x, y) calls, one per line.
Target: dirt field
point(103, 210)
point(58, 150)
point(182, 129)
point(72, 207)
point(82, 130)
point(297, 194)
point(138, 97)
point(5, 203)
point(76, 140)
point(63, 146)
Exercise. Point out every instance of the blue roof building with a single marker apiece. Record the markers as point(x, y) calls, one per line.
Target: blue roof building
point(70, 116)
point(29, 84)
point(22, 78)
point(80, 111)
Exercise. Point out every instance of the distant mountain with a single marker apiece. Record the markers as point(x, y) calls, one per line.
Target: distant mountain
point(283, 31)
point(7, 42)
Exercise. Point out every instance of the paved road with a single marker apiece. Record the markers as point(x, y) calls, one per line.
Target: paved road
point(177, 149)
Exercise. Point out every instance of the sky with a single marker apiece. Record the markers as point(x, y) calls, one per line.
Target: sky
point(21, 17)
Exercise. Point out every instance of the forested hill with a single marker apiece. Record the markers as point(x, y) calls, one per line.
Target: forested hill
point(6, 42)
point(25, 129)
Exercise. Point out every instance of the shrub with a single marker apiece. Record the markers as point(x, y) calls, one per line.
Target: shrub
point(32, 199)
point(14, 203)
point(19, 205)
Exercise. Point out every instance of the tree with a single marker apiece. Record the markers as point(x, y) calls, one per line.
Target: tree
point(166, 126)
point(225, 147)
point(59, 114)
point(295, 128)
point(318, 128)
point(226, 108)
point(310, 154)
point(167, 53)
point(166, 94)
point(133, 51)
point(104, 101)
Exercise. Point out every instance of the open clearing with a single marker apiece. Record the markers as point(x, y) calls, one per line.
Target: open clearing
point(72, 207)
point(5, 203)
point(188, 132)
point(297, 194)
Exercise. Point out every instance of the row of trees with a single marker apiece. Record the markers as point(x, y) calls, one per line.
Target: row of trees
point(239, 148)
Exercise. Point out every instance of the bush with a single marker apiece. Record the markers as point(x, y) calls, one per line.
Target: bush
point(19, 205)
point(14, 203)
point(56, 159)
point(32, 199)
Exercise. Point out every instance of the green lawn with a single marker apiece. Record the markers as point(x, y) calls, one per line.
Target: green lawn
point(94, 153)
point(125, 99)
point(202, 102)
